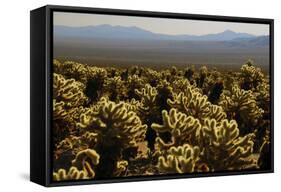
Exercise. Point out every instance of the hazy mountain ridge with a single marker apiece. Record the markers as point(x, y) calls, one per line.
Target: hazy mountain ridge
point(121, 32)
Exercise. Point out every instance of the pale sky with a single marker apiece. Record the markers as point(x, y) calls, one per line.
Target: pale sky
point(159, 25)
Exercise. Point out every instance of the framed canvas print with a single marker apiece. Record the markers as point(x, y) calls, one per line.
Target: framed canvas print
point(121, 95)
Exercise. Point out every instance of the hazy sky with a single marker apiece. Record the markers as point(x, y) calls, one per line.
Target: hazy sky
point(159, 25)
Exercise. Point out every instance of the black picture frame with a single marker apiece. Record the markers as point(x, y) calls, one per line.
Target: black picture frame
point(41, 54)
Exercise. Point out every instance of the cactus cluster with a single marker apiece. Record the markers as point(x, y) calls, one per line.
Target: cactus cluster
point(180, 159)
point(120, 122)
point(85, 160)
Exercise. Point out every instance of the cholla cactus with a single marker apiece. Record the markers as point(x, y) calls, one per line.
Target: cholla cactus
point(113, 121)
point(203, 72)
point(69, 91)
point(216, 112)
point(219, 141)
point(76, 144)
point(183, 128)
point(197, 105)
point(57, 65)
point(115, 88)
point(189, 72)
point(212, 84)
point(73, 174)
point(78, 71)
point(165, 92)
point(262, 94)
point(182, 84)
point(135, 106)
point(59, 110)
point(148, 96)
point(86, 156)
point(251, 76)
point(117, 129)
point(149, 111)
point(215, 92)
point(66, 150)
point(152, 77)
point(91, 77)
point(134, 82)
point(224, 149)
point(264, 161)
point(180, 159)
point(82, 167)
point(71, 69)
point(242, 106)
point(121, 168)
point(191, 103)
point(68, 102)
point(95, 83)
point(154, 100)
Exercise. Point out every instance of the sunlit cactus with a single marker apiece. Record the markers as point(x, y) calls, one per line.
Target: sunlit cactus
point(251, 75)
point(86, 156)
point(262, 94)
point(72, 174)
point(241, 105)
point(68, 102)
point(148, 95)
point(95, 83)
point(82, 168)
point(152, 77)
point(134, 82)
point(216, 112)
point(154, 100)
point(114, 120)
point(66, 149)
point(149, 110)
point(117, 129)
point(224, 148)
point(165, 92)
point(135, 106)
point(191, 102)
point(69, 91)
point(203, 72)
point(71, 69)
point(121, 168)
point(183, 128)
point(57, 65)
point(76, 144)
point(59, 110)
point(180, 159)
point(182, 84)
point(115, 88)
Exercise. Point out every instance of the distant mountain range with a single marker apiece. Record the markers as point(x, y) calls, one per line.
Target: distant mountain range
point(107, 45)
point(122, 32)
point(259, 41)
